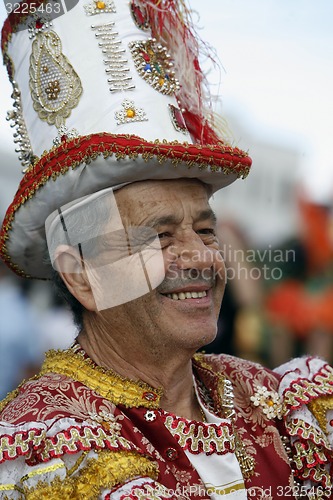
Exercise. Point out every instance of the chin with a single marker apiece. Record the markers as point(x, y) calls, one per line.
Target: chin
point(202, 337)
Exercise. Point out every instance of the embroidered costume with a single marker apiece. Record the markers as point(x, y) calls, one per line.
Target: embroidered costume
point(97, 107)
point(79, 431)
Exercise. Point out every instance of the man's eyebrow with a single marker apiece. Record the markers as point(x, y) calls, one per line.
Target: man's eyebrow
point(169, 220)
point(164, 220)
point(207, 214)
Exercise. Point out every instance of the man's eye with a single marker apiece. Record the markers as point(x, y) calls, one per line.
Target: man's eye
point(206, 231)
point(163, 236)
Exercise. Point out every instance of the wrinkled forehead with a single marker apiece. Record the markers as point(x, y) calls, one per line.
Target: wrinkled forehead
point(141, 200)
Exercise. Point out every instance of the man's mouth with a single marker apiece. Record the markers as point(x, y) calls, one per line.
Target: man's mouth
point(186, 295)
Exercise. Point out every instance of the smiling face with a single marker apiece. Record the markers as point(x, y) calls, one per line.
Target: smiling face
point(182, 311)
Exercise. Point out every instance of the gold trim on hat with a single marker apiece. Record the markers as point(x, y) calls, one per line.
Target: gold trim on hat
point(86, 149)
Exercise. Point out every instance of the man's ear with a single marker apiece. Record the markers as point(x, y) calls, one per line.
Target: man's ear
point(70, 267)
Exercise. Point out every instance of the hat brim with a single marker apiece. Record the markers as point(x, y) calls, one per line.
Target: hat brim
point(87, 164)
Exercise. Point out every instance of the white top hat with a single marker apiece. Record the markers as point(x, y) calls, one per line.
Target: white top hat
point(107, 94)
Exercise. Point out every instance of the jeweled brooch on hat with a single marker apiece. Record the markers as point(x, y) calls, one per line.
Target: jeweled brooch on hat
point(130, 113)
point(38, 25)
point(154, 65)
point(65, 134)
point(177, 119)
point(54, 85)
point(140, 16)
point(99, 7)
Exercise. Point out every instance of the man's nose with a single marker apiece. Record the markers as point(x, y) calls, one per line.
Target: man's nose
point(192, 253)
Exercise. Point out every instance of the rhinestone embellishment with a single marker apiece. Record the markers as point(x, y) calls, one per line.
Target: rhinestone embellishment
point(64, 134)
point(149, 396)
point(38, 25)
point(154, 65)
point(99, 7)
point(177, 119)
point(140, 16)
point(54, 85)
point(171, 454)
point(114, 57)
point(130, 113)
point(52, 89)
point(21, 137)
point(269, 401)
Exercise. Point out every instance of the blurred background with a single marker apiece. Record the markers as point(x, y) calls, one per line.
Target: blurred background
point(276, 228)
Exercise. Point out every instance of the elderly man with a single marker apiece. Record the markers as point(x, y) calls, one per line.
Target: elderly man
point(130, 411)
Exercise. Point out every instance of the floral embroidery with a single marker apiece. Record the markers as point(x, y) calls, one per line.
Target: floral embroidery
point(99, 7)
point(108, 384)
point(181, 475)
point(150, 416)
point(269, 401)
point(54, 395)
point(129, 113)
point(65, 134)
point(54, 85)
point(109, 421)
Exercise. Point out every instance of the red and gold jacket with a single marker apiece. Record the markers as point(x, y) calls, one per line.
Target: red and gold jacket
point(78, 431)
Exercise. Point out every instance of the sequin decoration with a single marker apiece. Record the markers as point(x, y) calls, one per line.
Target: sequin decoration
point(38, 25)
point(99, 7)
point(64, 134)
point(154, 65)
point(55, 87)
point(118, 72)
point(269, 401)
point(21, 137)
point(177, 119)
point(129, 113)
point(140, 15)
